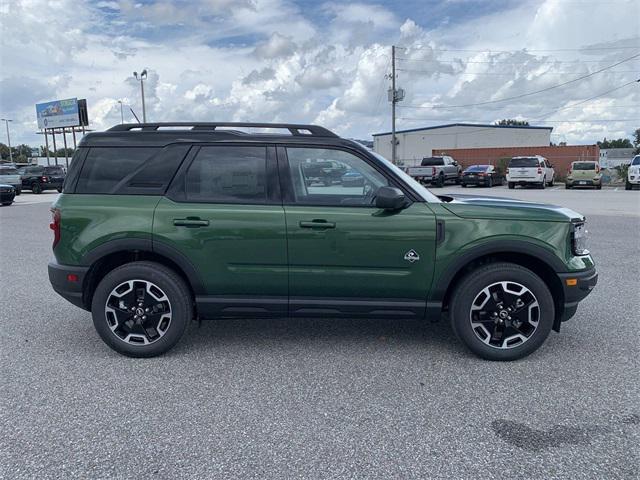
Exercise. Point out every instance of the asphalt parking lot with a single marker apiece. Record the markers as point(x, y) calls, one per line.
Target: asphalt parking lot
point(321, 398)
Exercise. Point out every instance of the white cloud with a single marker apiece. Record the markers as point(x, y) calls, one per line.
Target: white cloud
point(271, 60)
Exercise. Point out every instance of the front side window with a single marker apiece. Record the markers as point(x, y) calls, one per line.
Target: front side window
point(636, 160)
point(332, 177)
point(228, 174)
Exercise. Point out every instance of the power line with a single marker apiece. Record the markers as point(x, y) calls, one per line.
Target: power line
point(528, 94)
point(524, 49)
point(536, 121)
point(590, 98)
point(509, 74)
point(533, 60)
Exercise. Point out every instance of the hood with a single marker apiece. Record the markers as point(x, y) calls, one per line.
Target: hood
point(501, 208)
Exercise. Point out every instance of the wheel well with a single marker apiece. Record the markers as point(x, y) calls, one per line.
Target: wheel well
point(537, 266)
point(113, 260)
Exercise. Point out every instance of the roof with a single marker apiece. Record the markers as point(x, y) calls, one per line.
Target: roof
point(483, 125)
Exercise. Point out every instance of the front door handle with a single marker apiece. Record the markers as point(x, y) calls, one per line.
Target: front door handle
point(190, 222)
point(317, 224)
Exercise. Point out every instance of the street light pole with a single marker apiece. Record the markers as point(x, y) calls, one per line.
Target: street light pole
point(121, 112)
point(143, 75)
point(6, 122)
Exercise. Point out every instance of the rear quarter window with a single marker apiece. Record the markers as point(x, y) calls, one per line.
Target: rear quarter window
point(105, 167)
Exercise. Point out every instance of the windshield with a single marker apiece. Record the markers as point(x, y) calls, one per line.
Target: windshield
point(636, 160)
point(477, 168)
point(432, 161)
point(8, 171)
point(584, 166)
point(423, 192)
point(524, 162)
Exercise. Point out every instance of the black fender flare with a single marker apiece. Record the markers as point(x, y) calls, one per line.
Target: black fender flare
point(151, 246)
point(540, 253)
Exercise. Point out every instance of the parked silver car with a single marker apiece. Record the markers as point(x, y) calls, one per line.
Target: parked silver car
point(10, 176)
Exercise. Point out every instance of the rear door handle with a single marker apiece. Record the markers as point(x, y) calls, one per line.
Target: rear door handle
point(190, 222)
point(317, 224)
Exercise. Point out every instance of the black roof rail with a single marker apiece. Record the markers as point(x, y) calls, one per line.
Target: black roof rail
point(294, 129)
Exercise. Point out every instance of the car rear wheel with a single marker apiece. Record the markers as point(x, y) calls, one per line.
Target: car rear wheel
point(490, 182)
point(511, 185)
point(141, 309)
point(36, 188)
point(440, 181)
point(543, 185)
point(502, 311)
point(627, 185)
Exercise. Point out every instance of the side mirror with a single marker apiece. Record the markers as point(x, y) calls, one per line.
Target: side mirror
point(390, 198)
point(454, 163)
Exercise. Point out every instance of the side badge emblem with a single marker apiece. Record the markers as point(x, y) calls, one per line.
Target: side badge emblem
point(411, 256)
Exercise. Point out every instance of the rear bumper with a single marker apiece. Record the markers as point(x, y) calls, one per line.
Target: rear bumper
point(474, 181)
point(576, 287)
point(584, 183)
point(68, 281)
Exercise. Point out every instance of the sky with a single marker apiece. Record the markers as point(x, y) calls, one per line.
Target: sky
point(327, 63)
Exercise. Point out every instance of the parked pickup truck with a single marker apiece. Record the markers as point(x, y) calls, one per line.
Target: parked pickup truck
point(9, 175)
point(436, 171)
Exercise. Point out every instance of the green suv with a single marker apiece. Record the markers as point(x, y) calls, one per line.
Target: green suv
point(160, 224)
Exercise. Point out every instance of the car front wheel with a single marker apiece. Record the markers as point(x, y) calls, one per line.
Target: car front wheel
point(141, 309)
point(502, 311)
point(36, 188)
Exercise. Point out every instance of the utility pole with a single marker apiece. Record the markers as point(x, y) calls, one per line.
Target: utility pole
point(121, 112)
point(6, 122)
point(393, 104)
point(395, 95)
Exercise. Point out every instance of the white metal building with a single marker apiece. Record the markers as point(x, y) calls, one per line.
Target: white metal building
point(417, 143)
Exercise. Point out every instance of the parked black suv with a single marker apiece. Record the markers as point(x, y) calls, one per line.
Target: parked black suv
point(39, 178)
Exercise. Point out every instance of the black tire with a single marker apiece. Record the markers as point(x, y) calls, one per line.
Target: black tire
point(6, 204)
point(598, 187)
point(490, 182)
point(59, 190)
point(36, 188)
point(18, 191)
point(511, 185)
point(440, 182)
point(464, 185)
point(627, 185)
point(567, 186)
point(550, 184)
point(471, 286)
point(172, 285)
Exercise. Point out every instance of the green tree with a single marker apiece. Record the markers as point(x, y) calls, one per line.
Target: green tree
point(618, 143)
point(511, 121)
point(4, 151)
point(61, 152)
point(636, 141)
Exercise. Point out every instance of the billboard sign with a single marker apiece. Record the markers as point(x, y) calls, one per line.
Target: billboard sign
point(57, 114)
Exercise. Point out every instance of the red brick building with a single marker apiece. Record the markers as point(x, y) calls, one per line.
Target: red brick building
point(560, 157)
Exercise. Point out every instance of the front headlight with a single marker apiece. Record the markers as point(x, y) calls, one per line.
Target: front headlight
point(579, 239)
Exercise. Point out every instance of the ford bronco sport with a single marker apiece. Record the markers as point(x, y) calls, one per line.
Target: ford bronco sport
point(159, 224)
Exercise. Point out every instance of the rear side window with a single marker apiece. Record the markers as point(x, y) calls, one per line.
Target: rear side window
point(584, 166)
point(228, 174)
point(105, 167)
point(54, 170)
point(524, 162)
point(432, 161)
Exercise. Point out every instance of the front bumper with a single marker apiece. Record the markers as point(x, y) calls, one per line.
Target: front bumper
point(7, 196)
point(68, 282)
point(634, 179)
point(576, 286)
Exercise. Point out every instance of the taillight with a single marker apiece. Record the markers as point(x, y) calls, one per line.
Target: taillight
point(539, 170)
point(507, 171)
point(44, 179)
point(55, 225)
point(433, 171)
point(597, 168)
point(570, 171)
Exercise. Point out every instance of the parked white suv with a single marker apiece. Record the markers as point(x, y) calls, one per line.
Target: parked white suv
point(633, 174)
point(532, 170)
